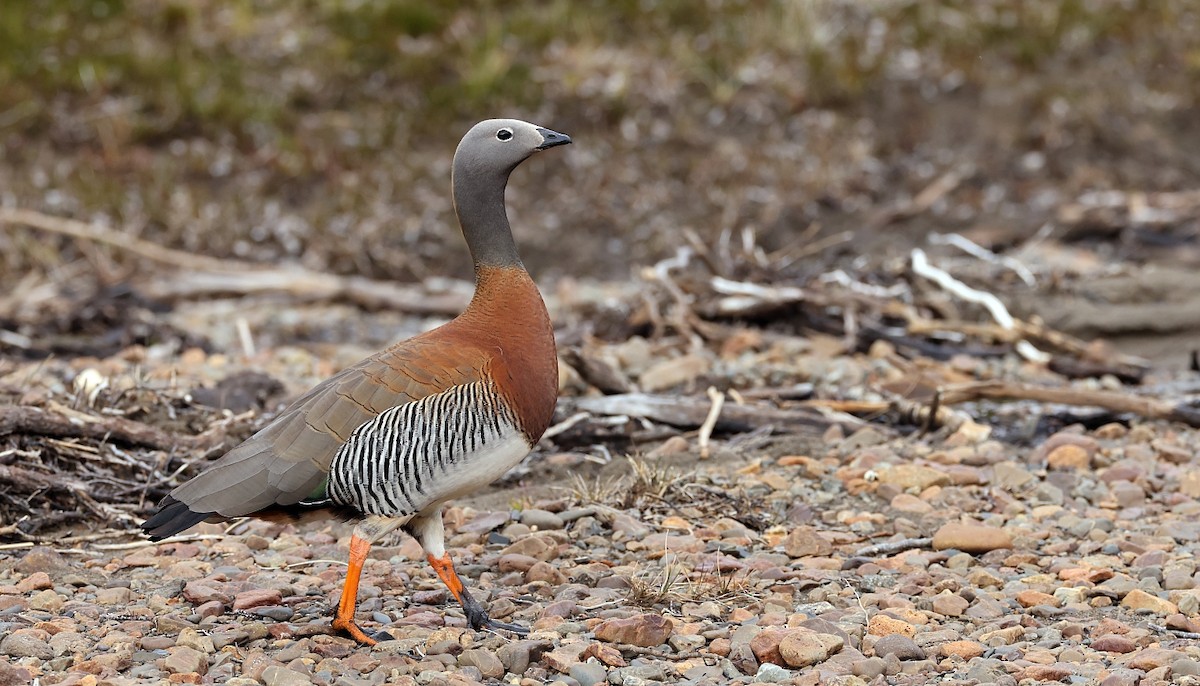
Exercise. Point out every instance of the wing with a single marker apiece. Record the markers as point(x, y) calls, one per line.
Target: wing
point(417, 455)
point(289, 459)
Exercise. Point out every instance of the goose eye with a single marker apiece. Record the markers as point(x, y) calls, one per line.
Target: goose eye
point(504, 134)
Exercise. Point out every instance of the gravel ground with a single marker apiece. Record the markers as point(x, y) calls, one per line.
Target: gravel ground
point(1072, 560)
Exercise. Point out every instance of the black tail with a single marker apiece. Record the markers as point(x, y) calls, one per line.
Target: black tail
point(172, 517)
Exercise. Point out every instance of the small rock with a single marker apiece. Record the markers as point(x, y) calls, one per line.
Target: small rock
point(646, 630)
point(213, 608)
point(200, 591)
point(1114, 643)
point(27, 643)
point(950, 605)
point(194, 639)
point(515, 656)
point(741, 656)
point(883, 625)
point(544, 571)
point(605, 654)
point(279, 613)
point(11, 675)
point(804, 541)
point(1035, 598)
point(42, 559)
point(801, 648)
point(1185, 667)
point(899, 645)
point(868, 668)
point(771, 674)
point(1153, 658)
point(1138, 599)
point(561, 658)
point(1068, 456)
point(905, 502)
point(911, 476)
point(541, 519)
point(1127, 494)
point(963, 649)
point(628, 527)
point(1011, 476)
point(765, 645)
point(484, 660)
point(47, 601)
point(515, 562)
point(38, 581)
point(536, 546)
point(277, 675)
point(588, 673)
point(114, 596)
point(1055, 672)
point(257, 597)
point(970, 538)
point(184, 660)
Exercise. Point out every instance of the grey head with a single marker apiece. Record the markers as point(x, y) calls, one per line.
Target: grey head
point(486, 156)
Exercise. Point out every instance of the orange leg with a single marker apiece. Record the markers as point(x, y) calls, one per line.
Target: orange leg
point(476, 615)
point(344, 620)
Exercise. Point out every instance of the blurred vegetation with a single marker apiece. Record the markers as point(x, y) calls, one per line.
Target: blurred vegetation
point(319, 130)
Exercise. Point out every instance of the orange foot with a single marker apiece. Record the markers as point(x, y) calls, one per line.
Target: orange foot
point(354, 630)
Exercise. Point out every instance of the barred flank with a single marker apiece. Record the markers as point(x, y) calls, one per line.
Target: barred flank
point(389, 464)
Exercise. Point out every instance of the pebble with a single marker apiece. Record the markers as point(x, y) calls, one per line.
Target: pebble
point(184, 660)
point(541, 520)
point(646, 630)
point(276, 675)
point(883, 625)
point(256, 598)
point(804, 541)
point(27, 643)
point(771, 674)
point(963, 649)
point(804, 647)
point(1113, 643)
point(950, 605)
point(1138, 599)
point(970, 538)
point(588, 673)
point(485, 661)
point(899, 645)
point(279, 613)
point(868, 668)
point(911, 476)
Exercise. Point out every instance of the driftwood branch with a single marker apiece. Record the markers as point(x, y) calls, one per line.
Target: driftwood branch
point(204, 277)
point(1149, 408)
point(691, 413)
point(40, 422)
point(306, 285)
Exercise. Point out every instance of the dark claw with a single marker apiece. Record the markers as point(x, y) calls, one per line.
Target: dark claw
point(479, 620)
point(501, 626)
point(383, 635)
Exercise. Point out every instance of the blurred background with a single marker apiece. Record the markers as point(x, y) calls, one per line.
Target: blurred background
point(320, 133)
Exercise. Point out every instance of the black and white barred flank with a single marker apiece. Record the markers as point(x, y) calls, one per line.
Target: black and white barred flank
point(415, 454)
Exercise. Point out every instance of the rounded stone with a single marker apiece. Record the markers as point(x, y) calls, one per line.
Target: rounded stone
point(903, 647)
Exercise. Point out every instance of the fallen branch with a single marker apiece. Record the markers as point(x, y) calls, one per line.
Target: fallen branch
point(205, 277)
point(1149, 408)
point(303, 284)
point(710, 421)
point(37, 421)
point(893, 547)
point(690, 413)
point(922, 267)
point(102, 234)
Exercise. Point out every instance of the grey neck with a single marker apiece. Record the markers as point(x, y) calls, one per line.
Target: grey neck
point(479, 203)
